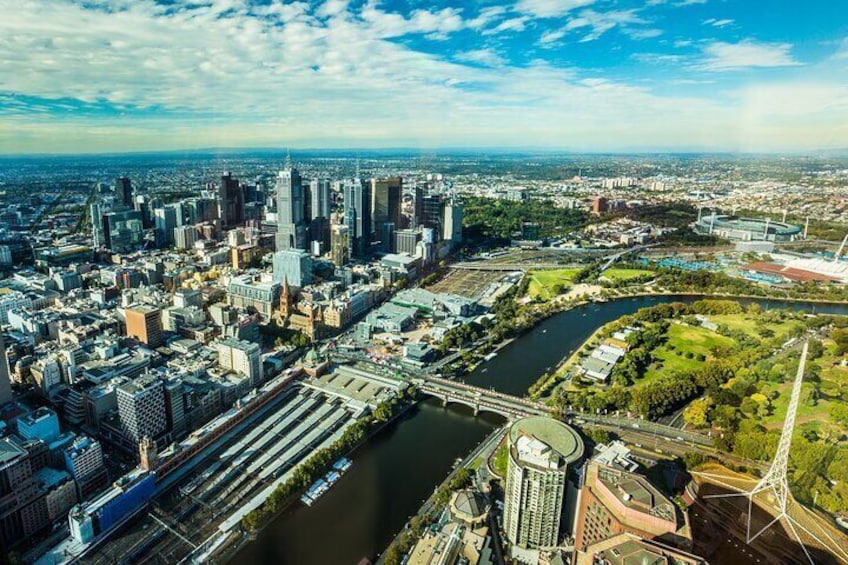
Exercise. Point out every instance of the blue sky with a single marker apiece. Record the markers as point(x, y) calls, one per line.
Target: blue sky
point(581, 75)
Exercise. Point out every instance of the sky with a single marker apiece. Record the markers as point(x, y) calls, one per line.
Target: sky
point(99, 76)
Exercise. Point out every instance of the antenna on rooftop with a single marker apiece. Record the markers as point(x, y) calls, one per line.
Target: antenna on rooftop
point(775, 483)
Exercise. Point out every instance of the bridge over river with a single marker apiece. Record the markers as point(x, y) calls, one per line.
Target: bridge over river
point(485, 400)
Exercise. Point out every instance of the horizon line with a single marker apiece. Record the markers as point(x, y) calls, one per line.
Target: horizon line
point(447, 149)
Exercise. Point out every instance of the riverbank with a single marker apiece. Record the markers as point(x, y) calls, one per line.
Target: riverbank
point(731, 297)
point(432, 507)
point(255, 522)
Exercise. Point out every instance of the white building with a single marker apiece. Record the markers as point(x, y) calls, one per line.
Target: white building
point(12, 300)
point(242, 357)
point(540, 451)
point(185, 237)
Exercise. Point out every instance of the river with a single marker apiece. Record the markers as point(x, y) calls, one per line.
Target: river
point(397, 469)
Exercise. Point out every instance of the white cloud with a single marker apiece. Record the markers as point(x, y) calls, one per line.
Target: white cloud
point(549, 8)
point(220, 75)
point(515, 24)
point(485, 17)
point(551, 37)
point(486, 57)
point(718, 23)
point(601, 22)
point(723, 56)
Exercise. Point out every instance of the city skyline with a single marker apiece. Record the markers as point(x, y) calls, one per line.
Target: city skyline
point(577, 75)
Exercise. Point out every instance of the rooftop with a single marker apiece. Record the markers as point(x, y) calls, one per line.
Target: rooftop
point(559, 437)
point(9, 450)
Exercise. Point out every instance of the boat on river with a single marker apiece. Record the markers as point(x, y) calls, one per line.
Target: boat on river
point(322, 485)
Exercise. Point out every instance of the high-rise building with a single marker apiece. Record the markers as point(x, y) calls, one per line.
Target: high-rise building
point(145, 324)
point(5, 381)
point(540, 451)
point(385, 203)
point(319, 190)
point(84, 461)
point(406, 241)
point(185, 237)
point(452, 223)
point(340, 245)
point(599, 205)
point(387, 237)
point(293, 266)
point(418, 207)
point(95, 214)
point(141, 408)
point(319, 211)
point(175, 407)
point(23, 508)
point(432, 213)
point(123, 192)
point(357, 214)
point(613, 501)
point(242, 357)
point(291, 227)
point(122, 231)
point(230, 201)
point(165, 220)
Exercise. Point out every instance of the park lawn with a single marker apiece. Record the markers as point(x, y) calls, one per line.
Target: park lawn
point(615, 274)
point(683, 338)
point(542, 283)
point(750, 326)
point(806, 413)
point(832, 381)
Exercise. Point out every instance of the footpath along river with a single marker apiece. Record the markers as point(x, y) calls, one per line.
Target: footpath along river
point(397, 469)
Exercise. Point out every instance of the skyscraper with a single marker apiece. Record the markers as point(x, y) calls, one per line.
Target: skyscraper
point(230, 201)
point(291, 228)
point(357, 202)
point(340, 245)
point(165, 220)
point(319, 211)
point(418, 208)
point(432, 213)
point(98, 235)
point(452, 223)
point(5, 382)
point(540, 451)
point(123, 192)
point(319, 194)
point(385, 203)
point(141, 408)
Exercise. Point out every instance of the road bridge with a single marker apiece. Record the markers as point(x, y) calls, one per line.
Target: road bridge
point(481, 399)
point(485, 400)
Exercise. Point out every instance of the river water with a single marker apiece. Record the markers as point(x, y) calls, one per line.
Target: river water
point(397, 469)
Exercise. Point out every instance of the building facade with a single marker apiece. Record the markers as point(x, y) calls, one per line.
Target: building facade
point(540, 451)
point(141, 408)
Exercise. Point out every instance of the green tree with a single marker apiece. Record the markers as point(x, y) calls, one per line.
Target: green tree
point(698, 412)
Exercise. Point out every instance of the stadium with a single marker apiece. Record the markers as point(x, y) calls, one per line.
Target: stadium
point(735, 228)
